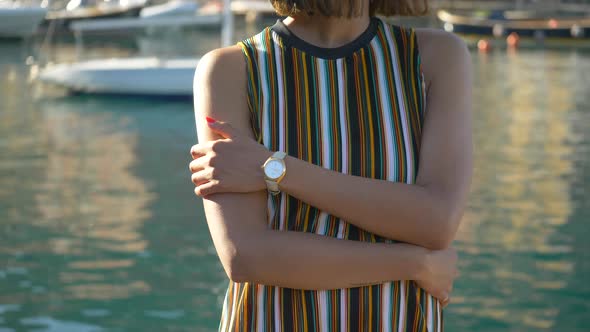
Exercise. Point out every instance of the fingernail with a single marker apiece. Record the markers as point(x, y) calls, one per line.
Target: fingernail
point(210, 120)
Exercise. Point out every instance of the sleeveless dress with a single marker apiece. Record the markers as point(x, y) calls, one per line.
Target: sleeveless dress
point(356, 109)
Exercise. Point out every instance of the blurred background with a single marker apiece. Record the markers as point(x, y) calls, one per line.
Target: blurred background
point(99, 226)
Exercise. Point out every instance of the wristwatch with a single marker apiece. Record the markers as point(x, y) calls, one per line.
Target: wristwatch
point(274, 171)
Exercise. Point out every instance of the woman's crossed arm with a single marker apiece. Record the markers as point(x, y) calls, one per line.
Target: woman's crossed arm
point(426, 213)
point(250, 251)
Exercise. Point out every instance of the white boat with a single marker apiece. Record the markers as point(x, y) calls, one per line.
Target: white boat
point(249, 7)
point(117, 24)
point(176, 13)
point(90, 9)
point(172, 8)
point(137, 76)
point(134, 76)
point(18, 20)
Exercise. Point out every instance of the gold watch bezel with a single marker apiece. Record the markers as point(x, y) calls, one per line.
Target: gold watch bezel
point(282, 161)
point(277, 180)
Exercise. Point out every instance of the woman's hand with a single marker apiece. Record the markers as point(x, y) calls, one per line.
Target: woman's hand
point(230, 164)
point(439, 274)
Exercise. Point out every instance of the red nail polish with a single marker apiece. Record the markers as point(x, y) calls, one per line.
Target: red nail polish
point(210, 120)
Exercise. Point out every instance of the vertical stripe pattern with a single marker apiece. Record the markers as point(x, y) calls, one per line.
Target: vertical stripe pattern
point(361, 114)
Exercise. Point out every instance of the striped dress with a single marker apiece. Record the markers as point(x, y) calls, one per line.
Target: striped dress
point(356, 109)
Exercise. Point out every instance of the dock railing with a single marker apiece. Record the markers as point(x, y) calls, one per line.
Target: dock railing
point(566, 5)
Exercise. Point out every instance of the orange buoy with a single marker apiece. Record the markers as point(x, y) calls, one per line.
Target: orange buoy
point(484, 45)
point(513, 40)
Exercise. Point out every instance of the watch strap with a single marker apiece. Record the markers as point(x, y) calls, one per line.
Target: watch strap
point(273, 187)
point(279, 155)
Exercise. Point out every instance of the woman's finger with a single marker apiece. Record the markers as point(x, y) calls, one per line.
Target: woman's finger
point(224, 129)
point(208, 188)
point(198, 164)
point(198, 150)
point(201, 177)
point(441, 296)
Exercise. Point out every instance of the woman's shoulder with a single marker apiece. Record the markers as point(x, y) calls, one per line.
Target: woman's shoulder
point(441, 51)
point(220, 60)
point(439, 40)
point(220, 67)
point(219, 80)
point(232, 59)
point(433, 43)
point(219, 88)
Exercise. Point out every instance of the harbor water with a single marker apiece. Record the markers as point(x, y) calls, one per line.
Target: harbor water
point(100, 229)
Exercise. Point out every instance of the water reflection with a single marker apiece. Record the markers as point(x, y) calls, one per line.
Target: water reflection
point(73, 182)
point(79, 178)
point(49, 324)
point(89, 192)
point(524, 153)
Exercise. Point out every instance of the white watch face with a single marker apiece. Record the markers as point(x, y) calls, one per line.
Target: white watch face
point(274, 169)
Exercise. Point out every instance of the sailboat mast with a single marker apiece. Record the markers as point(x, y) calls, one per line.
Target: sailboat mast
point(227, 27)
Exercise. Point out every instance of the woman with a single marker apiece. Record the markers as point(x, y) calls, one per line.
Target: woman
point(349, 229)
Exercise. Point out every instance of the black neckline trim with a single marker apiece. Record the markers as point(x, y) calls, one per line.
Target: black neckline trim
point(290, 39)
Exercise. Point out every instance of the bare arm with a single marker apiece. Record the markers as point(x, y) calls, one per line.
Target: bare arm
point(248, 249)
point(427, 213)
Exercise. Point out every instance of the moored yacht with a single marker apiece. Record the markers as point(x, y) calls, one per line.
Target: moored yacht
point(19, 19)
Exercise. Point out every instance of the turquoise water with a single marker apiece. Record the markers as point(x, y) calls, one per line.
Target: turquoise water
point(100, 230)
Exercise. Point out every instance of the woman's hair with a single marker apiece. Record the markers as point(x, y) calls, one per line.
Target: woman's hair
point(350, 8)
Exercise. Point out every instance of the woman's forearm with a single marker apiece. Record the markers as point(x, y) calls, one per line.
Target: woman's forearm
point(407, 213)
point(310, 261)
point(251, 252)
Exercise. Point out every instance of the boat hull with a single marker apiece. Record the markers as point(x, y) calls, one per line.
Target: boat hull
point(532, 33)
point(138, 76)
point(539, 28)
point(20, 22)
point(63, 19)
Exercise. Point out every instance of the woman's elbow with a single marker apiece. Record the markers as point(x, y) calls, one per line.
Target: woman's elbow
point(438, 241)
point(235, 271)
point(238, 263)
point(442, 235)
